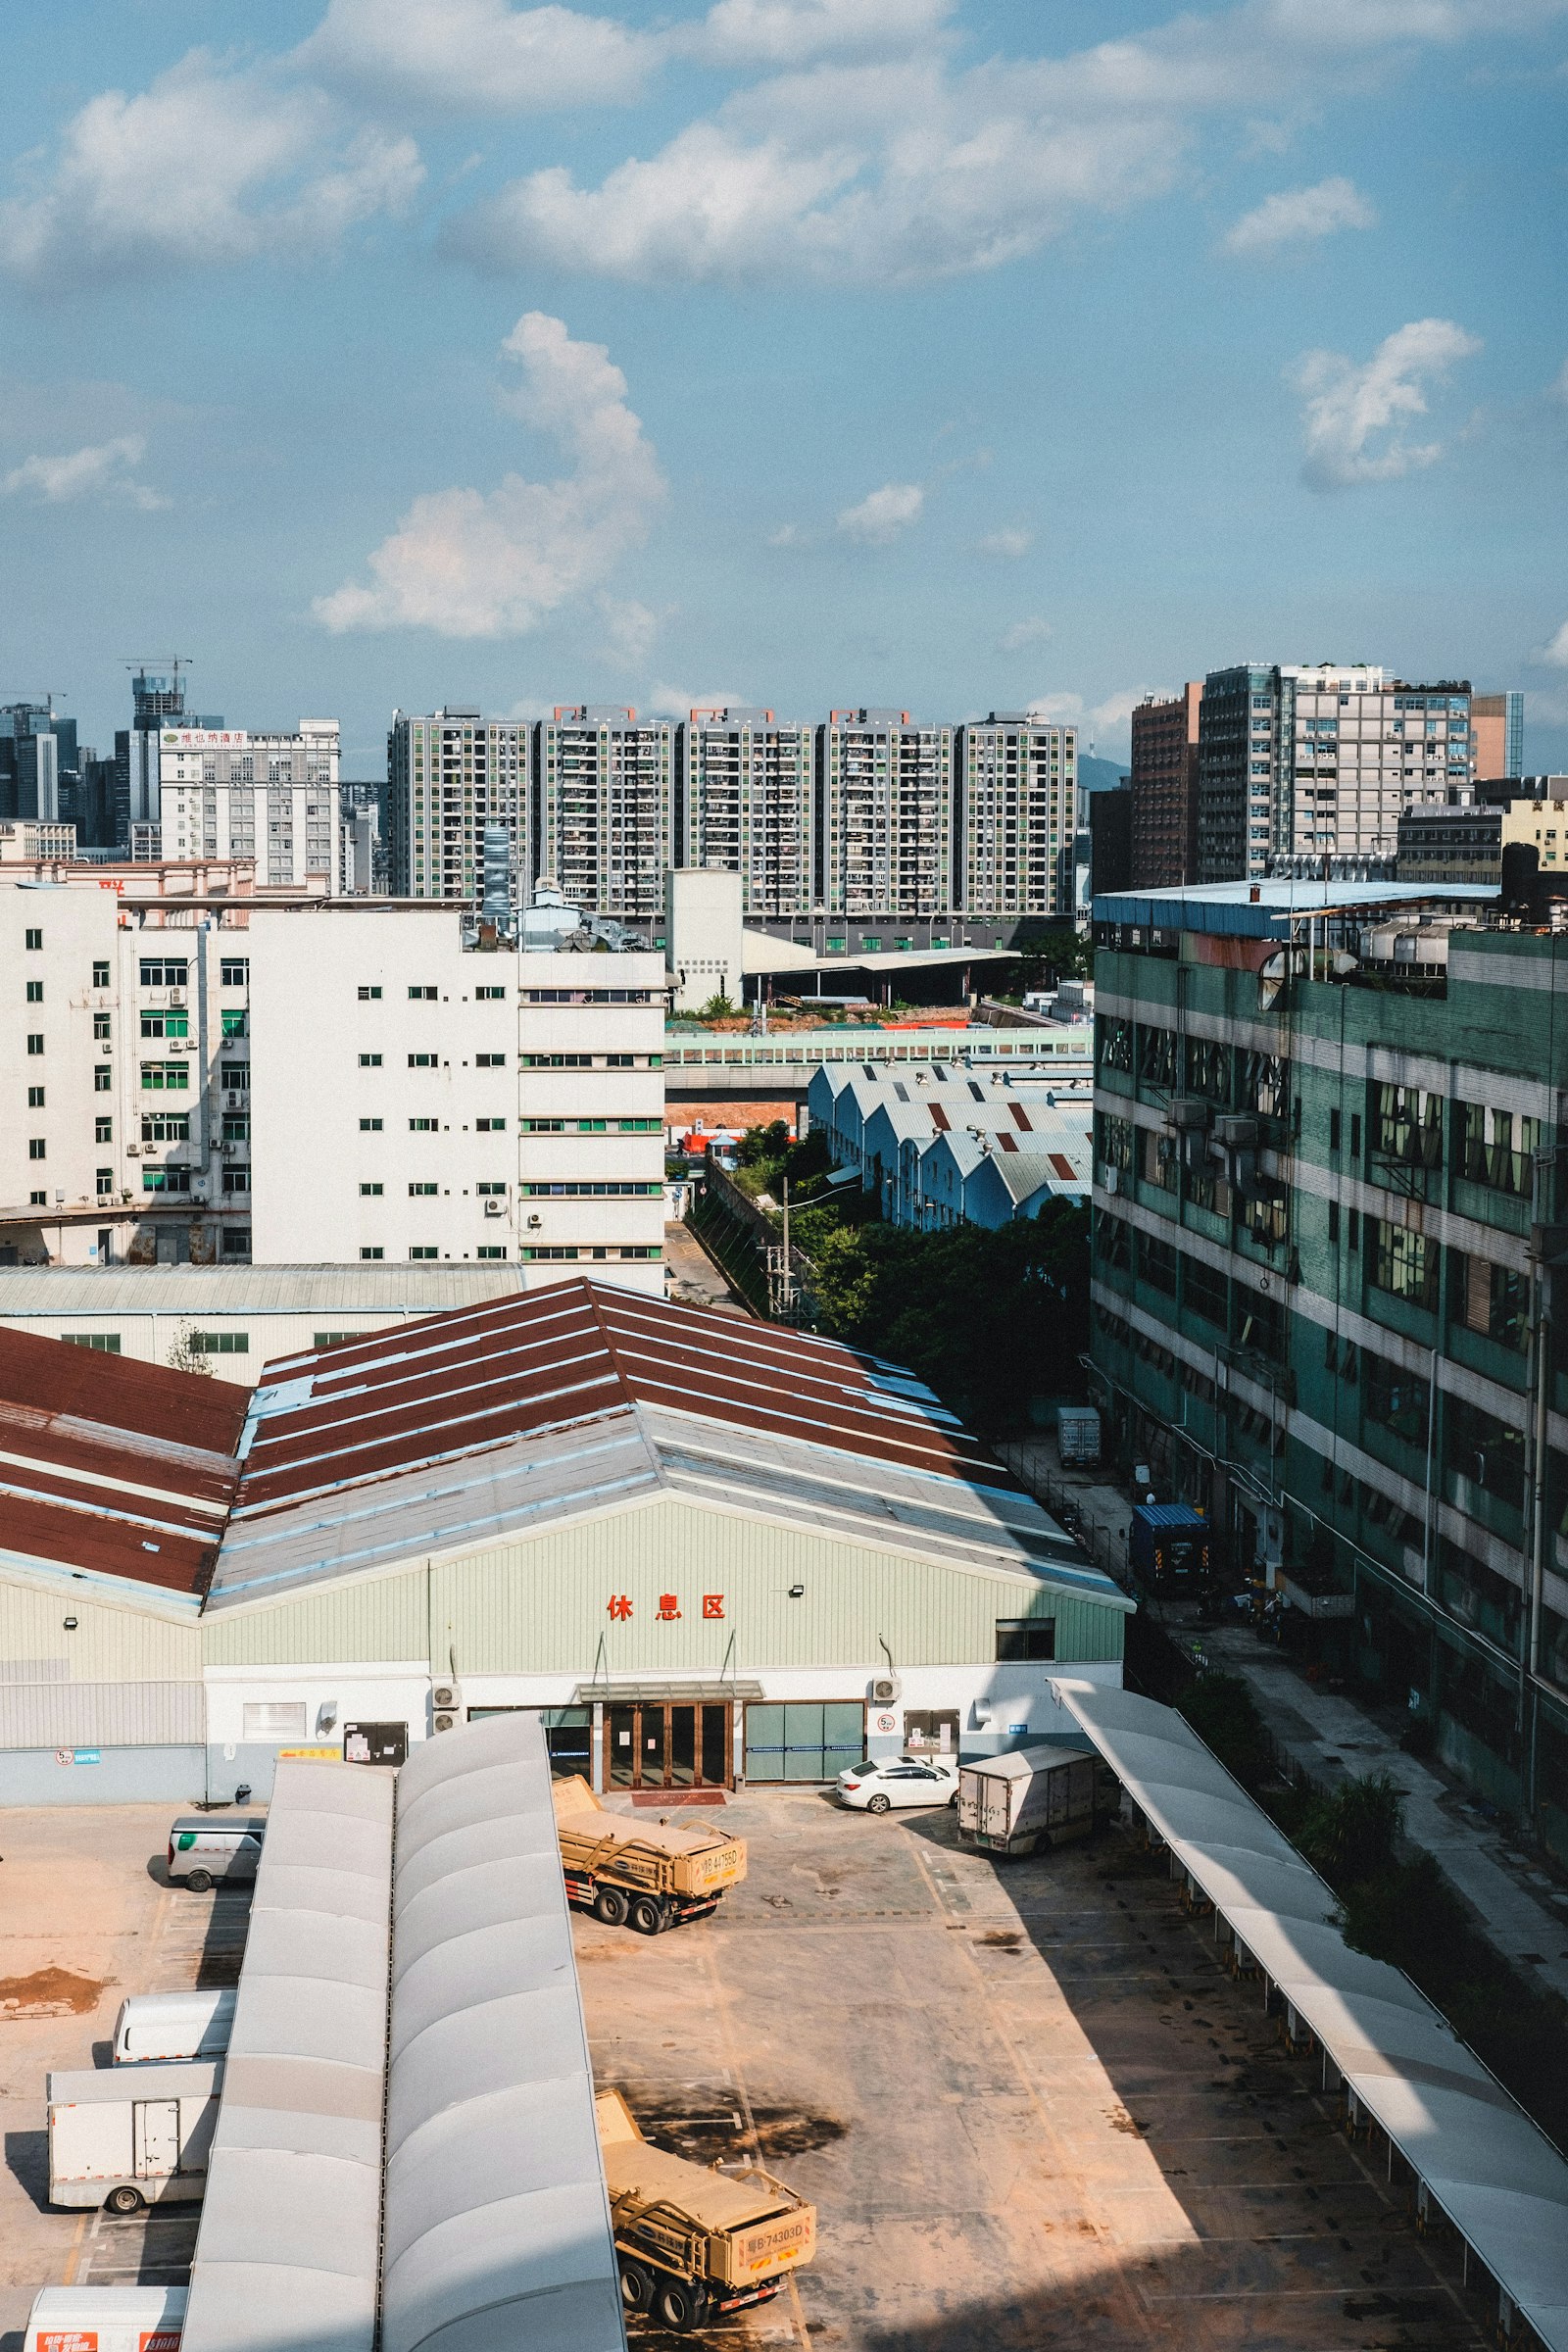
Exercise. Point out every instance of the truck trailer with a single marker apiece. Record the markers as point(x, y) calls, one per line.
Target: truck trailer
point(123, 2139)
point(642, 1874)
point(1034, 1798)
point(106, 2319)
point(695, 2243)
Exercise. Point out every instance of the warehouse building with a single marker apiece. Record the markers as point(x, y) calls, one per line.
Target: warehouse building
point(705, 1550)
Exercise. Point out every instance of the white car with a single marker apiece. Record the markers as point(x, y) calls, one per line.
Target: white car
point(877, 1784)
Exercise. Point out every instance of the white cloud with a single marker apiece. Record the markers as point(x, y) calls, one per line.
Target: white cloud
point(883, 515)
point(1008, 545)
point(792, 32)
point(1559, 388)
point(1296, 215)
point(1096, 720)
point(629, 629)
point(204, 165)
point(788, 534)
point(480, 56)
point(104, 471)
point(1556, 652)
point(475, 564)
point(1025, 633)
point(903, 164)
point(1353, 417)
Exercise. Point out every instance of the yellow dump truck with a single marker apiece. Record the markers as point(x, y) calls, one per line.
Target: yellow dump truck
point(694, 2242)
point(647, 1875)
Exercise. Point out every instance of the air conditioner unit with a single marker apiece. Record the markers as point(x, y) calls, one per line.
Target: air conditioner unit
point(176, 995)
point(886, 1690)
point(446, 1706)
point(133, 1150)
point(494, 1208)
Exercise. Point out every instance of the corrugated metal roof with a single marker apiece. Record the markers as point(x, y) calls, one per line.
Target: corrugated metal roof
point(197, 1291)
point(497, 2224)
point(112, 1468)
point(287, 2252)
point(481, 1425)
point(1486, 2164)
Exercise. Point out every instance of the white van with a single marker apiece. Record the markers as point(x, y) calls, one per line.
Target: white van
point(107, 2319)
point(164, 2026)
point(204, 1848)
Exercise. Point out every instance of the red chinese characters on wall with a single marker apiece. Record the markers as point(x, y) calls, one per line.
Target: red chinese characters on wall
point(618, 1607)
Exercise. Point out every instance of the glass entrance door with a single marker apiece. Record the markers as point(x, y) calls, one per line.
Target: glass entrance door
point(667, 1746)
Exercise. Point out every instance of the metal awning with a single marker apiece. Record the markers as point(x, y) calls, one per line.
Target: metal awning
point(1475, 2153)
point(663, 1690)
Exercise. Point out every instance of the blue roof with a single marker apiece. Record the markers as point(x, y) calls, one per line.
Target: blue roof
point(1171, 1514)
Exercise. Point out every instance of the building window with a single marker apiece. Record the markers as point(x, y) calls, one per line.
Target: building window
point(103, 1130)
point(35, 1040)
point(489, 1062)
point(165, 1024)
point(1205, 1292)
point(489, 995)
point(166, 1077)
point(236, 1180)
point(37, 1148)
point(221, 1343)
point(164, 972)
point(1157, 1265)
point(268, 1720)
point(35, 1097)
point(1115, 1043)
point(489, 1249)
point(1497, 1148)
point(1025, 1640)
point(103, 1078)
point(369, 994)
point(32, 940)
point(425, 996)
point(1407, 1126)
point(166, 1127)
point(1487, 1452)
point(369, 1126)
point(105, 1183)
point(234, 971)
point(1394, 1399)
point(103, 1343)
point(369, 1062)
point(414, 1190)
point(1493, 1301)
point(100, 976)
point(498, 1126)
point(165, 1180)
point(34, 992)
point(364, 1252)
point(428, 1250)
point(554, 1250)
point(368, 1190)
point(234, 1020)
point(1157, 1057)
point(234, 1074)
point(1403, 1263)
point(421, 1062)
point(485, 1191)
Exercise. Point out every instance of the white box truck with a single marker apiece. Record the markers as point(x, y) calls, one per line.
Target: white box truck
point(106, 2319)
point(171, 2025)
point(123, 2140)
point(1034, 1798)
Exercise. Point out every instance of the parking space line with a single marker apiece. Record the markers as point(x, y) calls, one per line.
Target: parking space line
point(743, 2096)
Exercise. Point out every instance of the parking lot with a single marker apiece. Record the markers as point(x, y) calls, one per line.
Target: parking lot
point(1031, 2107)
point(86, 1917)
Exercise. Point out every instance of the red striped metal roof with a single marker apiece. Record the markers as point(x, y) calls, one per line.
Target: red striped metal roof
point(579, 1351)
point(112, 1467)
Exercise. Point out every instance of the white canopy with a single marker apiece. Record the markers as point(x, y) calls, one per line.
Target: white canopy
point(1496, 2177)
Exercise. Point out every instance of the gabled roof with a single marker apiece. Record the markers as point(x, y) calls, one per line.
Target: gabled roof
point(110, 1467)
point(497, 1421)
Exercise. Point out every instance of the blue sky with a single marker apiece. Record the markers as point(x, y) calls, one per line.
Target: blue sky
point(803, 351)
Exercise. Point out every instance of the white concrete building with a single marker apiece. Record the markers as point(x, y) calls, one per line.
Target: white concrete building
point(450, 774)
point(226, 792)
point(886, 814)
point(346, 1079)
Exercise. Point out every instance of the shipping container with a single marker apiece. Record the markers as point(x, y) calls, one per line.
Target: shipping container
point(1077, 1435)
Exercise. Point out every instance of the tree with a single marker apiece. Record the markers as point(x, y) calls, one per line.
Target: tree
point(186, 1356)
point(760, 1145)
point(1352, 1834)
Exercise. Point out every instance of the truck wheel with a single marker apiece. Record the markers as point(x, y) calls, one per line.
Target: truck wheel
point(636, 2286)
point(610, 1905)
point(199, 1880)
point(876, 1804)
point(645, 1915)
point(952, 1802)
point(682, 2303)
point(124, 2199)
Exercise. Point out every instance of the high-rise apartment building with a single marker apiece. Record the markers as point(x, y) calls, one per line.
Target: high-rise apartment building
point(1018, 811)
point(450, 774)
point(1300, 763)
point(885, 815)
point(604, 786)
point(745, 801)
point(1164, 790)
point(1497, 727)
point(225, 792)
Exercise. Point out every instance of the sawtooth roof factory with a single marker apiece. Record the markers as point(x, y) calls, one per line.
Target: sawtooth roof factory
point(708, 1551)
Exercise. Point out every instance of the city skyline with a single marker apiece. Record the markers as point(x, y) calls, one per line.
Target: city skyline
point(906, 355)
